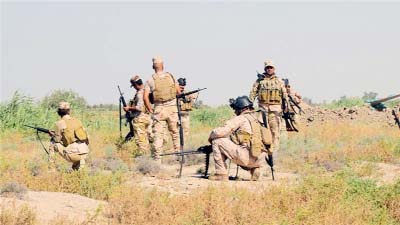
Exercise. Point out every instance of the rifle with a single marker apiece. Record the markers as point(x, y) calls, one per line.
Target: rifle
point(43, 130)
point(206, 149)
point(288, 117)
point(396, 118)
point(181, 138)
point(270, 162)
point(378, 104)
point(128, 118)
point(260, 76)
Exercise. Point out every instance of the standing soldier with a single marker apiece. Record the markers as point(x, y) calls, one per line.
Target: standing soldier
point(164, 88)
point(141, 118)
point(271, 94)
point(242, 139)
point(69, 139)
point(186, 104)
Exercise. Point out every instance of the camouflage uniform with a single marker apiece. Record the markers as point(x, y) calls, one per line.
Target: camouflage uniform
point(270, 92)
point(163, 87)
point(140, 122)
point(186, 107)
point(70, 140)
point(237, 140)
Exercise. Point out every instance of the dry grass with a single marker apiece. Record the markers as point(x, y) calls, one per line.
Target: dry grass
point(333, 188)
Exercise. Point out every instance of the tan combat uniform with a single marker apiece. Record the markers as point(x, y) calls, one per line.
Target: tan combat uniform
point(70, 142)
point(240, 140)
point(270, 93)
point(140, 122)
point(186, 107)
point(163, 87)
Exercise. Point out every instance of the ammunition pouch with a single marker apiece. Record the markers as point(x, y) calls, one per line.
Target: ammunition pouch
point(73, 132)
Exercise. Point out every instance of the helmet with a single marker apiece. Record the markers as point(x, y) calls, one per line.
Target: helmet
point(240, 103)
point(182, 81)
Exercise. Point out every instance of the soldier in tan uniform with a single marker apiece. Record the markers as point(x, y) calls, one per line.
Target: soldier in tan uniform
point(242, 139)
point(271, 92)
point(69, 139)
point(141, 119)
point(164, 88)
point(186, 106)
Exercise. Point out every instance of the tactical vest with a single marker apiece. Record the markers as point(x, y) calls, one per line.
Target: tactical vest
point(270, 91)
point(257, 141)
point(186, 105)
point(164, 88)
point(73, 132)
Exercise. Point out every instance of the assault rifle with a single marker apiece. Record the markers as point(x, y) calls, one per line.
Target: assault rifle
point(128, 117)
point(396, 118)
point(206, 149)
point(379, 104)
point(181, 138)
point(43, 130)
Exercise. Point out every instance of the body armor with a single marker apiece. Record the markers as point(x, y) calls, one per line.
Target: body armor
point(73, 132)
point(270, 91)
point(164, 88)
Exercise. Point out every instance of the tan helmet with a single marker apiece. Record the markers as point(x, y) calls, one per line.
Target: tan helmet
point(157, 59)
point(63, 105)
point(269, 63)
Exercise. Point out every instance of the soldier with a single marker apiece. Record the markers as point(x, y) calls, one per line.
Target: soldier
point(271, 93)
point(141, 119)
point(69, 139)
point(164, 88)
point(242, 139)
point(186, 106)
point(294, 98)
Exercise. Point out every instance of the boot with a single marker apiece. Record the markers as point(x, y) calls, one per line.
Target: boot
point(255, 174)
point(219, 177)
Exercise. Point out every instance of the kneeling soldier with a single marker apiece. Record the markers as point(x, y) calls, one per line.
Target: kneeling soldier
point(69, 139)
point(242, 139)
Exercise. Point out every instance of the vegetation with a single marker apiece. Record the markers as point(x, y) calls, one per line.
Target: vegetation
point(336, 165)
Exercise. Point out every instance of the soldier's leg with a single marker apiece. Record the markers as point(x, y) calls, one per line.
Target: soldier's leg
point(140, 129)
point(186, 127)
point(172, 122)
point(158, 132)
point(275, 126)
point(219, 156)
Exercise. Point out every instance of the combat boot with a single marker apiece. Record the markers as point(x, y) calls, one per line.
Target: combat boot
point(255, 174)
point(219, 177)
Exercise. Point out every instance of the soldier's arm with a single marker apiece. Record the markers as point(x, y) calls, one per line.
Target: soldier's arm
point(224, 131)
point(146, 99)
point(254, 91)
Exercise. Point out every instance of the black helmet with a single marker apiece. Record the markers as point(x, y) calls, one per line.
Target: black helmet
point(286, 81)
point(240, 103)
point(182, 81)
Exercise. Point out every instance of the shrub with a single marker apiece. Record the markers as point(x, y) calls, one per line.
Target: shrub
point(13, 188)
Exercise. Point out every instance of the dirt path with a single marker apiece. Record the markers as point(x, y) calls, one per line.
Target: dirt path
point(191, 180)
point(51, 206)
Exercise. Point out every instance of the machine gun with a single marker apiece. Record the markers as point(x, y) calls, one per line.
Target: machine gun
point(396, 118)
point(128, 117)
point(43, 130)
point(206, 149)
point(378, 104)
point(181, 138)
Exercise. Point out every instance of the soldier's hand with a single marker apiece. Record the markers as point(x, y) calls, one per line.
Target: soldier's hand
point(126, 108)
point(52, 133)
